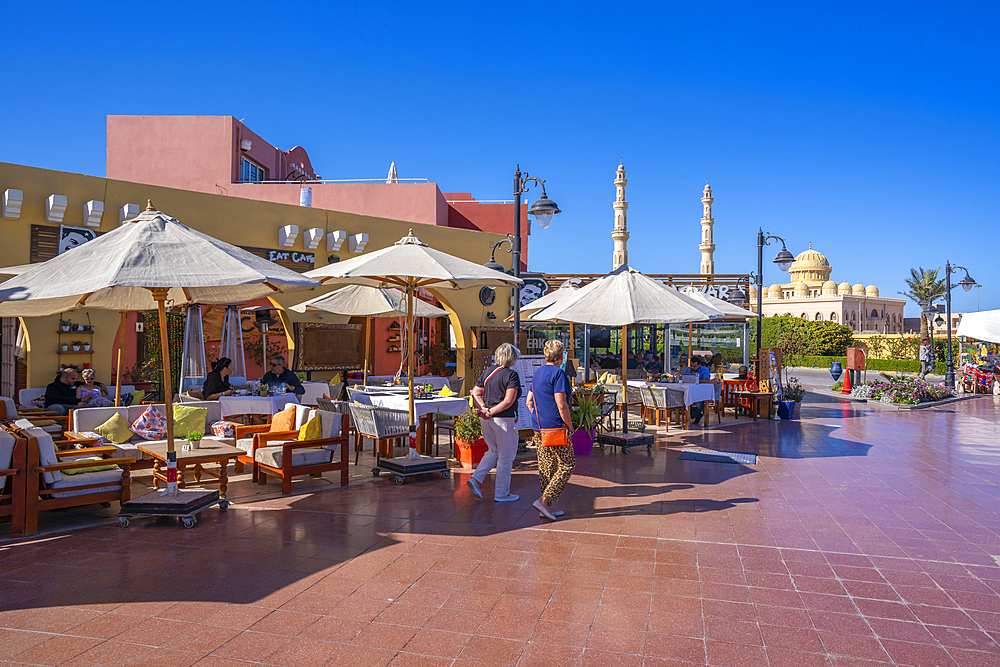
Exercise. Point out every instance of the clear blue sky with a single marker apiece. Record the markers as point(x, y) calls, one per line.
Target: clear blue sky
point(870, 129)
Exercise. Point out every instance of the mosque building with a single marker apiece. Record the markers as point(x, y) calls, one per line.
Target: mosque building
point(812, 295)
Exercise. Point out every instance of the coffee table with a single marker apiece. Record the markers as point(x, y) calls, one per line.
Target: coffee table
point(210, 452)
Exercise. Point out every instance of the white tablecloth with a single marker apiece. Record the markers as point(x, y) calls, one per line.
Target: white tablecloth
point(254, 405)
point(314, 390)
point(436, 381)
point(693, 393)
point(447, 406)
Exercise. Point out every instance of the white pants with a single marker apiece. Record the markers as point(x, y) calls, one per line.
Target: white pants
point(500, 434)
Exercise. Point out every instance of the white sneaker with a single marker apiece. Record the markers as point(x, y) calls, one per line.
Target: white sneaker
point(557, 513)
point(544, 511)
point(474, 487)
point(509, 498)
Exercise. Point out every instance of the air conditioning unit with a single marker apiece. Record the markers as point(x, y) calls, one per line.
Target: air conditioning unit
point(246, 145)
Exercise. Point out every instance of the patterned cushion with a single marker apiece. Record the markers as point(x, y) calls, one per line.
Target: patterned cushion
point(97, 436)
point(224, 429)
point(151, 424)
point(306, 456)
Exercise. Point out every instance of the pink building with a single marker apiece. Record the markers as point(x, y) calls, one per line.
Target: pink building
point(220, 155)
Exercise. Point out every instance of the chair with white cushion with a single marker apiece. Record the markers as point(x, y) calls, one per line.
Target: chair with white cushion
point(284, 456)
point(12, 481)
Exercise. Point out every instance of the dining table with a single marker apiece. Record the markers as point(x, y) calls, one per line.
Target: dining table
point(436, 381)
point(255, 405)
point(313, 391)
point(425, 410)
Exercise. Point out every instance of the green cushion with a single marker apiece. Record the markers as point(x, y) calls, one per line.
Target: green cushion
point(189, 419)
point(115, 429)
point(137, 397)
point(77, 471)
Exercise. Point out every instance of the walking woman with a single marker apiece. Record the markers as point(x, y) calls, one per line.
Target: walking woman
point(548, 401)
point(495, 396)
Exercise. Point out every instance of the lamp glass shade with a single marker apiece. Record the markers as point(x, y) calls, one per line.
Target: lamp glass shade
point(543, 209)
point(784, 259)
point(967, 283)
point(939, 321)
point(544, 219)
point(737, 297)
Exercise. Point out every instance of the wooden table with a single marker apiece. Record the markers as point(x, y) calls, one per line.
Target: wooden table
point(209, 452)
point(760, 403)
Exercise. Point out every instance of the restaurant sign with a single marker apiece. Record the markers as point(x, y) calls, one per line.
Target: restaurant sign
point(290, 259)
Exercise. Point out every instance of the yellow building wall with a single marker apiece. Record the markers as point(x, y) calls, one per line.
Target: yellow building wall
point(243, 222)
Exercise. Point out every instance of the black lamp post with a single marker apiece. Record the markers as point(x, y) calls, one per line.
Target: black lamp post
point(784, 260)
point(543, 209)
point(967, 284)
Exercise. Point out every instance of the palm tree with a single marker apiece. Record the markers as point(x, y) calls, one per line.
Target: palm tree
point(924, 288)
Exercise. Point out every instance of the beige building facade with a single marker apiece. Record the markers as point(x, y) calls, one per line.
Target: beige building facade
point(812, 295)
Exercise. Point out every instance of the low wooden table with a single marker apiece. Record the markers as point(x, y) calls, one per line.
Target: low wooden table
point(760, 403)
point(209, 452)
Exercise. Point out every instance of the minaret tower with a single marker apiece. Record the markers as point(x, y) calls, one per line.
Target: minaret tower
point(707, 246)
point(620, 233)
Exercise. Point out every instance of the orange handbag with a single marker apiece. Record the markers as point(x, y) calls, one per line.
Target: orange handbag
point(555, 437)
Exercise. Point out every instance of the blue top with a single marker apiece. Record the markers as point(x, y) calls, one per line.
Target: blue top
point(545, 383)
point(703, 373)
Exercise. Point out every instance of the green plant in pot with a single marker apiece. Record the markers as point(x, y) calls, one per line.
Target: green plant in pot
point(469, 438)
point(586, 414)
point(194, 439)
point(791, 398)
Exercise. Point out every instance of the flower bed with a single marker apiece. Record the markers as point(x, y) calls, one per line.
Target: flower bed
point(909, 391)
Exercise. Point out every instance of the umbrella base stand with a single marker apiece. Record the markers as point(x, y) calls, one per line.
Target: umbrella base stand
point(625, 440)
point(185, 505)
point(402, 467)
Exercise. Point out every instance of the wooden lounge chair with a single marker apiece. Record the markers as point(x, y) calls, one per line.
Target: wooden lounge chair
point(284, 456)
point(12, 481)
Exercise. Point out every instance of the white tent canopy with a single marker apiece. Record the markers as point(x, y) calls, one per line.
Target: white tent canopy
point(726, 308)
point(983, 326)
point(361, 301)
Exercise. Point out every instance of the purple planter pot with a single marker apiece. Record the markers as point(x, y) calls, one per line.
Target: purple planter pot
point(583, 442)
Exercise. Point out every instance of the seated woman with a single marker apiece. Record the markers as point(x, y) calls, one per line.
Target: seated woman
point(92, 394)
point(217, 382)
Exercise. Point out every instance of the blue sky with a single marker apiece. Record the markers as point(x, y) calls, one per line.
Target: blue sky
point(869, 129)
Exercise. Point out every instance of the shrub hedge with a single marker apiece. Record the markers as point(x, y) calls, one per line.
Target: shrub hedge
point(905, 365)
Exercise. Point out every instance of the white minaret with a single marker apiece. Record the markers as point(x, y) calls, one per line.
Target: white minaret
point(707, 246)
point(620, 233)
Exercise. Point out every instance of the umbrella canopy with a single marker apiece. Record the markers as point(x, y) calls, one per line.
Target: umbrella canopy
point(981, 326)
point(565, 291)
point(361, 301)
point(726, 308)
point(146, 262)
point(9, 271)
point(410, 264)
point(625, 297)
point(118, 270)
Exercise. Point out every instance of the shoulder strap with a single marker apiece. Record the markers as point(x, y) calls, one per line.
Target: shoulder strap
point(491, 375)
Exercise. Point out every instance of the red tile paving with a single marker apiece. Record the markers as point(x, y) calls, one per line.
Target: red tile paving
point(861, 537)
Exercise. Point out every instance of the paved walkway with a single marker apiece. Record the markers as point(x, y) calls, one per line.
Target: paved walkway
point(859, 538)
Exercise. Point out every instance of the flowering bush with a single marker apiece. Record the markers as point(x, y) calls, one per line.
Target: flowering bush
point(901, 390)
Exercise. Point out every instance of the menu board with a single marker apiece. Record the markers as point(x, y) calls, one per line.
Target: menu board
point(525, 367)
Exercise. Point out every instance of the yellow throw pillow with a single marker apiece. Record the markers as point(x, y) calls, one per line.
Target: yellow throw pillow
point(77, 471)
point(446, 391)
point(115, 429)
point(284, 420)
point(137, 397)
point(188, 419)
point(42, 423)
point(312, 429)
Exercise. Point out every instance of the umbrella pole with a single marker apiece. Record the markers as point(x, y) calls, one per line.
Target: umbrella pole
point(409, 372)
point(690, 329)
point(624, 380)
point(368, 350)
point(118, 372)
point(160, 295)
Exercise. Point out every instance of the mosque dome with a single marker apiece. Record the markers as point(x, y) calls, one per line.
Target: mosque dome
point(810, 266)
point(753, 292)
point(844, 288)
point(829, 288)
point(871, 290)
point(774, 291)
point(858, 289)
point(801, 289)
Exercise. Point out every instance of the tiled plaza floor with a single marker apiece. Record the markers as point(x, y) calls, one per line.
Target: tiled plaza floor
point(860, 537)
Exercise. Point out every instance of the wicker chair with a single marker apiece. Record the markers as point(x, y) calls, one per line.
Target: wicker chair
point(609, 404)
point(669, 403)
point(455, 384)
point(648, 405)
point(342, 408)
point(381, 425)
point(634, 397)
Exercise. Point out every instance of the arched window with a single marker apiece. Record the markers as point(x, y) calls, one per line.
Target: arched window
point(819, 317)
point(874, 313)
point(847, 316)
point(804, 316)
point(833, 317)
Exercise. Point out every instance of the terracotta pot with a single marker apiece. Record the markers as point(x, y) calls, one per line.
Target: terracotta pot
point(471, 453)
point(583, 442)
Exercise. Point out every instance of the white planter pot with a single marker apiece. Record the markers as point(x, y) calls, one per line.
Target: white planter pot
point(76, 348)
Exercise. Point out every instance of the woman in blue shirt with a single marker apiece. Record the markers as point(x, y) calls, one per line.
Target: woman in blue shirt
point(548, 402)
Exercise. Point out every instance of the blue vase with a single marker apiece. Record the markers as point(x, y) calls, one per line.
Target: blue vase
point(836, 370)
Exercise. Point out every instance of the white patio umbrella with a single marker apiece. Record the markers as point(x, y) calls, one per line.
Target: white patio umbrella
point(368, 302)
point(409, 264)
point(625, 297)
point(528, 312)
point(143, 264)
point(726, 308)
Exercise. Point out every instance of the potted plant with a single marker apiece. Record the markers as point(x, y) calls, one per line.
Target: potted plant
point(65, 325)
point(86, 347)
point(194, 439)
point(586, 415)
point(790, 399)
point(469, 439)
point(87, 328)
point(65, 347)
point(79, 327)
point(76, 345)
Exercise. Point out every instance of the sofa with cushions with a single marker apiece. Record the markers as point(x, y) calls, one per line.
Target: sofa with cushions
point(91, 420)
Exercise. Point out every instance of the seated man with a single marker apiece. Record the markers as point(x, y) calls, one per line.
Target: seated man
point(632, 362)
point(60, 395)
point(743, 372)
point(282, 377)
point(704, 377)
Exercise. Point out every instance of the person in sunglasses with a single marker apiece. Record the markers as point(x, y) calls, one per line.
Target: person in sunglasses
point(279, 376)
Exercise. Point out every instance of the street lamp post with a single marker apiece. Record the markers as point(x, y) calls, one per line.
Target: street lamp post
point(543, 209)
point(967, 284)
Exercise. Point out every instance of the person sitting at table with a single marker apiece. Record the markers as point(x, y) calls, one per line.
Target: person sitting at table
point(60, 395)
point(743, 372)
point(632, 363)
point(654, 366)
point(279, 376)
point(92, 394)
point(217, 382)
point(704, 377)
